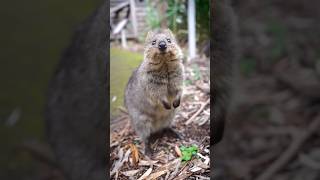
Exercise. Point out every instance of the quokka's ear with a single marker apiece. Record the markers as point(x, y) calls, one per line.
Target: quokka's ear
point(149, 36)
point(168, 32)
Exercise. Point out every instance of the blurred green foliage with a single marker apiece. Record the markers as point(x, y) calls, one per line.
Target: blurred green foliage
point(177, 19)
point(122, 63)
point(33, 35)
point(153, 18)
point(176, 15)
point(196, 72)
point(203, 19)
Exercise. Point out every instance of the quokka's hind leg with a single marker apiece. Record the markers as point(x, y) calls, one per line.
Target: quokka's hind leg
point(148, 151)
point(170, 132)
point(143, 128)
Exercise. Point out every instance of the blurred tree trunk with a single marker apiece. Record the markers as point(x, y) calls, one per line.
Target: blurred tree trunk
point(163, 10)
point(77, 106)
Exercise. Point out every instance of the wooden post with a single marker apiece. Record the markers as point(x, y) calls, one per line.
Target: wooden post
point(192, 28)
point(123, 39)
point(134, 18)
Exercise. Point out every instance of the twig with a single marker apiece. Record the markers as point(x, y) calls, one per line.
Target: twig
point(291, 151)
point(205, 89)
point(180, 171)
point(123, 110)
point(198, 112)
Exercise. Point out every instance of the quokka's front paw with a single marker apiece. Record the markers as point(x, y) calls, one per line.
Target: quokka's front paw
point(176, 102)
point(166, 104)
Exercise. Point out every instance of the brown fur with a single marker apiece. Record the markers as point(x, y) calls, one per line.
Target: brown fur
point(154, 90)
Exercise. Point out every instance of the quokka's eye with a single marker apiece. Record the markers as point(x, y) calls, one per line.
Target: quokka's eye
point(169, 40)
point(153, 42)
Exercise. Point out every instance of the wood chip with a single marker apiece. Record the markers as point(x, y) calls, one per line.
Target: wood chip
point(195, 169)
point(146, 174)
point(130, 173)
point(147, 163)
point(206, 158)
point(157, 174)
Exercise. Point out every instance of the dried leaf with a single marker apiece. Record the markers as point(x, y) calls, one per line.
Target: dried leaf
point(130, 173)
point(120, 162)
point(178, 151)
point(126, 156)
point(146, 163)
point(156, 174)
point(195, 169)
point(199, 164)
point(135, 154)
point(170, 165)
point(146, 174)
point(206, 158)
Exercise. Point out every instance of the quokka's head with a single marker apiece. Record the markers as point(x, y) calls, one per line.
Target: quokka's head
point(162, 46)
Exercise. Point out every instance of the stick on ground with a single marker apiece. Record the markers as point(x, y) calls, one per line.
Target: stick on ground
point(291, 151)
point(198, 112)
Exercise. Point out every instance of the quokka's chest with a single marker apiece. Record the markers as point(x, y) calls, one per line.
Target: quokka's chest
point(165, 74)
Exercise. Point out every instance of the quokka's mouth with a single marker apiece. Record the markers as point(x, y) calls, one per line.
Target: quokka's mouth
point(163, 52)
point(176, 59)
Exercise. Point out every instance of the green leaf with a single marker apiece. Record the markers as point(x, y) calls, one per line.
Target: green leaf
point(188, 152)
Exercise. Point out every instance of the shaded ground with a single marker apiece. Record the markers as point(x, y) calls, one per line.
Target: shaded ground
point(272, 132)
point(127, 157)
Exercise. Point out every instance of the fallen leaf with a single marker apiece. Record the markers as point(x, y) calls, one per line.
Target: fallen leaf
point(121, 161)
point(156, 174)
point(206, 158)
point(130, 173)
point(195, 169)
point(146, 174)
point(135, 154)
point(146, 163)
point(170, 165)
point(178, 151)
point(188, 152)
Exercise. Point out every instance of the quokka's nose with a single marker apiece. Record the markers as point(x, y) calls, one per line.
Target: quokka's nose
point(162, 45)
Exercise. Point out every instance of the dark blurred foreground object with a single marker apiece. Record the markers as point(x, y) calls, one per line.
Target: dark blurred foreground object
point(77, 107)
point(223, 55)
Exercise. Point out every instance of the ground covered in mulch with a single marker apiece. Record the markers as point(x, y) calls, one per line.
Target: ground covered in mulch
point(192, 121)
point(273, 129)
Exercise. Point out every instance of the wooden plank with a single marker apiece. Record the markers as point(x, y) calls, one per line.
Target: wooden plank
point(123, 39)
point(114, 3)
point(133, 17)
point(119, 27)
point(118, 7)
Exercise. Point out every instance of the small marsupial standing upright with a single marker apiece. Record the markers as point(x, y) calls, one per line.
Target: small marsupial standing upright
point(154, 89)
